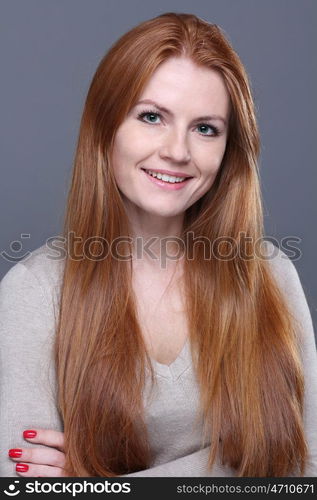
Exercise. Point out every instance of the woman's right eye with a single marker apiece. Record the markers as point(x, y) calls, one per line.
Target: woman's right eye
point(151, 114)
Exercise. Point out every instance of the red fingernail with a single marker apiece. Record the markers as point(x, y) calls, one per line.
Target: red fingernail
point(29, 434)
point(15, 453)
point(21, 467)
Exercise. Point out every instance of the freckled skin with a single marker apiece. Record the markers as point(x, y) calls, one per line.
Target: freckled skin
point(172, 142)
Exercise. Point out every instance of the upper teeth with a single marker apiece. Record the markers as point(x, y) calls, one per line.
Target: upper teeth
point(164, 177)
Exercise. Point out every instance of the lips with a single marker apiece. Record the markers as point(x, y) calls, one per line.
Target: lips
point(166, 186)
point(169, 172)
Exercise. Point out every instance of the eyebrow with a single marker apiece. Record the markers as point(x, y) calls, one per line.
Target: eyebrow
point(168, 112)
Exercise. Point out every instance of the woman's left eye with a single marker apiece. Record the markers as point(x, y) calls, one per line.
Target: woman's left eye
point(214, 130)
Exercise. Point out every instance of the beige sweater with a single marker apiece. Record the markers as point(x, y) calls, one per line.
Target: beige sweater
point(29, 295)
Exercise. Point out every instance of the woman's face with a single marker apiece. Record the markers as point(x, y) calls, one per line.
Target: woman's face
point(185, 139)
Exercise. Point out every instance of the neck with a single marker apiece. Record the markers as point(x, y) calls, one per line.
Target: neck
point(157, 241)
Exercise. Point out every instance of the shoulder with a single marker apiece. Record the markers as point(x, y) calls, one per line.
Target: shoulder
point(284, 271)
point(280, 264)
point(46, 263)
point(37, 277)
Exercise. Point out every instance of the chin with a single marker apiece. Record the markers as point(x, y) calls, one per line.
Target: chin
point(165, 212)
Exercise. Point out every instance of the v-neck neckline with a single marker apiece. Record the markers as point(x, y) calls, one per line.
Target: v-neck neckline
point(177, 367)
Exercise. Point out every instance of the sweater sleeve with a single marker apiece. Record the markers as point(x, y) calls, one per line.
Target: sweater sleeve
point(193, 465)
point(26, 366)
point(289, 281)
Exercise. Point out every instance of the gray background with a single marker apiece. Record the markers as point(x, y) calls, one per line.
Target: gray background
point(50, 50)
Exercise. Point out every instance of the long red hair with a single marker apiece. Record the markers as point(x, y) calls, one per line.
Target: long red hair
point(247, 356)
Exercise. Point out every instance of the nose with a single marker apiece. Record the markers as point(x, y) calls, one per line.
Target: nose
point(174, 147)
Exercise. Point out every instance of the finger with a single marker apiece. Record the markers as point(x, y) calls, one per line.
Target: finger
point(47, 437)
point(31, 470)
point(43, 456)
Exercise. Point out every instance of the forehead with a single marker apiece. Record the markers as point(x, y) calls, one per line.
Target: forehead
point(178, 82)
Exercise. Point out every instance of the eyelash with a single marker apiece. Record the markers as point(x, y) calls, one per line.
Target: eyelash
point(151, 112)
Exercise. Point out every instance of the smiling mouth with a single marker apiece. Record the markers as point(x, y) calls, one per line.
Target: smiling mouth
point(171, 179)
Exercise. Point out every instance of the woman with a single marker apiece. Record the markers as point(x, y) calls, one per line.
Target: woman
point(168, 340)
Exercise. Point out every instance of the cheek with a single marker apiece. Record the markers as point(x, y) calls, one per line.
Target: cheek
point(211, 162)
point(121, 156)
point(208, 164)
point(129, 149)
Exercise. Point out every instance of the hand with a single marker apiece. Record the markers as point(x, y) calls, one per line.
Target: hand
point(41, 462)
